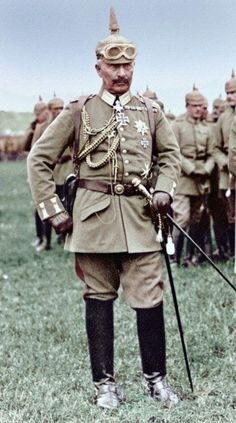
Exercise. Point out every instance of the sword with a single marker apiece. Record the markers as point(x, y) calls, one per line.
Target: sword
point(137, 183)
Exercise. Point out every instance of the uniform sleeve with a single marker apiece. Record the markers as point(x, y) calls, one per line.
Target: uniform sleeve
point(210, 162)
point(41, 162)
point(220, 156)
point(168, 156)
point(232, 148)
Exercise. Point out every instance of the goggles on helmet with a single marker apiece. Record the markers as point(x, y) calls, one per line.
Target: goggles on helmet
point(116, 51)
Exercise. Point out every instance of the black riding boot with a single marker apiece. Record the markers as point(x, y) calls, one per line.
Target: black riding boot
point(231, 237)
point(178, 239)
point(151, 334)
point(100, 332)
point(220, 232)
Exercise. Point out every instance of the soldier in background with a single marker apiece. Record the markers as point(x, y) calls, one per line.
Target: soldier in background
point(215, 203)
point(226, 183)
point(232, 148)
point(39, 108)
point(195, 141)
point(112, 235)
point(153, 96)
point(42, 118)
point(170, 116)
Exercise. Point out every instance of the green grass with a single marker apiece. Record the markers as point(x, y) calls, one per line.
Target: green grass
point(45, 374)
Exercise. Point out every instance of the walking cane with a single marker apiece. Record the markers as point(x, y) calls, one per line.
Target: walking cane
point(167, 260)
point(136, 182)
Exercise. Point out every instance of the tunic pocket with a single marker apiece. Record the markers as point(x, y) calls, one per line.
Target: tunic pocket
point(95, 208)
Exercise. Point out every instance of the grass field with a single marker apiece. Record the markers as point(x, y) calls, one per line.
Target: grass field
point(45, 374)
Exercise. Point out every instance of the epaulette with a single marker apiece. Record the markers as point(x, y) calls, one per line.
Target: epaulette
point(154, 104)
point(75, 100)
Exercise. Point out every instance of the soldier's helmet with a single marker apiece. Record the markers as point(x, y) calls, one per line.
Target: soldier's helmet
point(150, 94)
point(39, 106)
point(115, 49)
point(230, 85)
point(219, 102)
point(153, 96)
point(194, 97)
point(56, 102)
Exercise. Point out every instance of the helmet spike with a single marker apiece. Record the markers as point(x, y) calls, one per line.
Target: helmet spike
point(232, 74)
point(113, 23)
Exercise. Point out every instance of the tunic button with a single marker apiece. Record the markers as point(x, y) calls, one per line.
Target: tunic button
point(126, 161)
point(121, 129)
point(126, 173)
point(123, 139)
point(124, 151)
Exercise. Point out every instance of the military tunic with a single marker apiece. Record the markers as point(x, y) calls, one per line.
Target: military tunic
point(232, 148)
point(196, 147)
point(101, 222)
point(222, 147)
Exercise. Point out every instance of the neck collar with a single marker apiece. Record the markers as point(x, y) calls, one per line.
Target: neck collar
point(110, 98)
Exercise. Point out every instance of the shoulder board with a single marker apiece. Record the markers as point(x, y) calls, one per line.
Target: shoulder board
point(154, 104)
point(76, 99)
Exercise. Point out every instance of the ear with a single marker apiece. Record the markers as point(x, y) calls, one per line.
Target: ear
point(98, 69)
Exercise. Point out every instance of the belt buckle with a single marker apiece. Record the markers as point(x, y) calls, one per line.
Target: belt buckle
point(119, 189)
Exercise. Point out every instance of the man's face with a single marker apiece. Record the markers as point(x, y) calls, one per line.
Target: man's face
point(231, 98)
point(204, 112)
point(43, 116)
point(116, 78)
point(55, 111)
point(194, 110)
point(216, 111)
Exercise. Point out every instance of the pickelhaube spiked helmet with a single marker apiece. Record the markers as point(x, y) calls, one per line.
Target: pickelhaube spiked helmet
point(218, 102)
point(55, 102)
point(115, 49)
point(39, 106)
point(153, 96)
point(230, 85)
point(194, 97)
point(150, 94)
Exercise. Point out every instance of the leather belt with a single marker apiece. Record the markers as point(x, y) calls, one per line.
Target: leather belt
point(102, 186)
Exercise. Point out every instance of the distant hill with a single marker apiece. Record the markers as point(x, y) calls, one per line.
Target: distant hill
point(14, 123)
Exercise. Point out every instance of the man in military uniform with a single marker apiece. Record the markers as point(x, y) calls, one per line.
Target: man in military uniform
point(195, 143)
point(226, 183)
point(113, 236)
point(39, 118)
point(215, 203)
point(153, 96)
point(33, 133)
point(232, 148)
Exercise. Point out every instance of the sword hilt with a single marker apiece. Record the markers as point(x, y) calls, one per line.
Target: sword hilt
point(138, 184)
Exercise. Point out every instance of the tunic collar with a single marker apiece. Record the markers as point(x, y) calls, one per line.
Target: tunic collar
point(110, 98)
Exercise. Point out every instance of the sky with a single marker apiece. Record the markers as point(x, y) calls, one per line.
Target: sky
point(48, 46)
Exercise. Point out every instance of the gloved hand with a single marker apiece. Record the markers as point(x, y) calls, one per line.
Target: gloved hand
point(161, 202)
point(61, 222)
